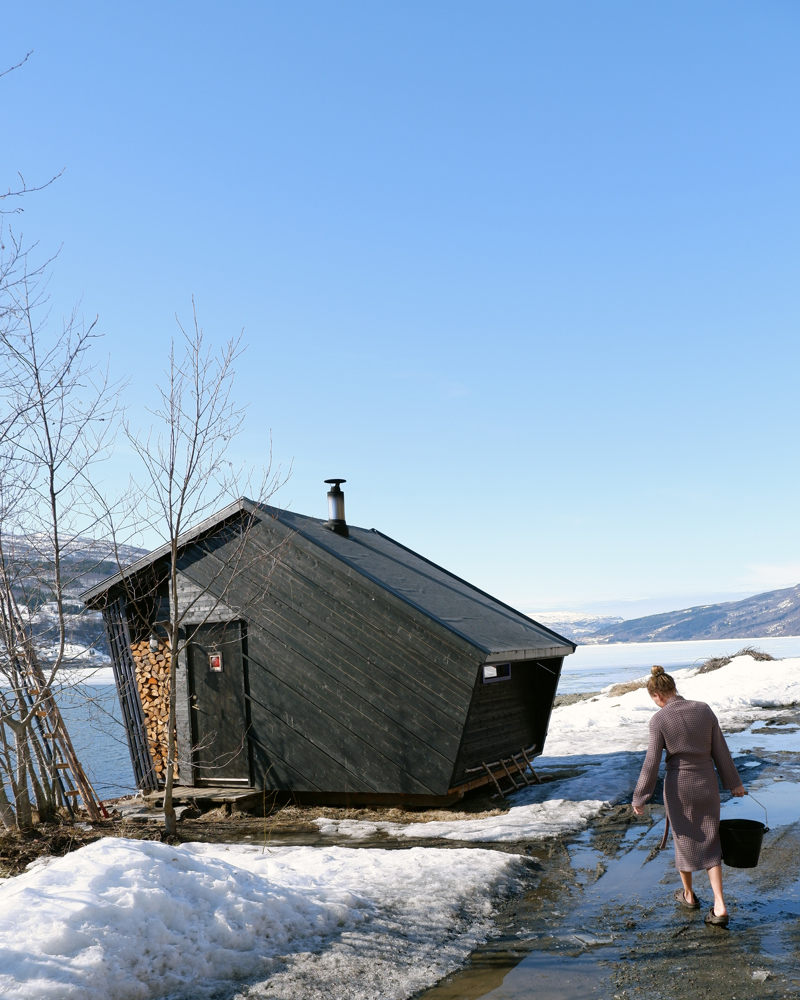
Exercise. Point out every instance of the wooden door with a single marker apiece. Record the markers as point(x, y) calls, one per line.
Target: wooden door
point(218, 705)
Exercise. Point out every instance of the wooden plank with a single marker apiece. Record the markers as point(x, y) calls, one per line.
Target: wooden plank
point(419, 680)
point(388, 672)
point(500, 720)
point(380, 693)
point(317, 770)
point(428, 763)
point(196, 605)
point(294, 667)
point(340, 582)
point(346, 744)
point(322, 715)
point(273, 772)
point(364, 680)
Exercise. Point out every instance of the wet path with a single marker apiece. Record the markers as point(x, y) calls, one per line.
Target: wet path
point(602, 923)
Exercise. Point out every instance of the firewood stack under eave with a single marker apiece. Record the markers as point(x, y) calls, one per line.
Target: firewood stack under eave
point(152, 680)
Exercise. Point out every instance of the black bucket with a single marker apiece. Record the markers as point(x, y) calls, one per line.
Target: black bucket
point(741, 841)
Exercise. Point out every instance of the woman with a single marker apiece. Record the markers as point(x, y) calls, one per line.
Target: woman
point(690, 733)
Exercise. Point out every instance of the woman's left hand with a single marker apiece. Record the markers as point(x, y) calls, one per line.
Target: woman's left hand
point(739, 791)
point(638, 810)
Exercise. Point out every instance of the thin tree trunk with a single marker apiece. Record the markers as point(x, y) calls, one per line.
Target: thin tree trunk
point(47, 773)
point(170, 819)
point(40, 785)
point(6, 809)
point(21, 794)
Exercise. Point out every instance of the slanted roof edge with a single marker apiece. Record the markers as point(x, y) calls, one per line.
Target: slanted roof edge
point(390, 590)
point(564, 641)
point(540, 653)
point(207, 524)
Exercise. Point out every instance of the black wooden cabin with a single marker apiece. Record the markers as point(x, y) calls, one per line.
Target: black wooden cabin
point(332, 662)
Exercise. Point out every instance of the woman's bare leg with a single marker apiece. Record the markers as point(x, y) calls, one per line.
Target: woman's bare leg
point(715, 878)
point(686, 878)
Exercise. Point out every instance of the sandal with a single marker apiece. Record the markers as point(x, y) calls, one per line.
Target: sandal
point(680, 897)
point(712, 918)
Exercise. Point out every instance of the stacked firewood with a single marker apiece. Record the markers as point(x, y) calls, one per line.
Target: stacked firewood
point(152, 680)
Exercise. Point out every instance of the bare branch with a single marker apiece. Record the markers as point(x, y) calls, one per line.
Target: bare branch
point(21, 63)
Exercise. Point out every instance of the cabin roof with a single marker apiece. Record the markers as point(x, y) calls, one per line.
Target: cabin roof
point(498, 630)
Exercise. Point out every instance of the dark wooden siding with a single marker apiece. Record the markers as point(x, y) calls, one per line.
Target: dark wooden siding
point(507, 715)
point(351, 689)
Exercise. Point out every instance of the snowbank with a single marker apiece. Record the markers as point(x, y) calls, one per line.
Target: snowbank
point(738, 692)
point(134, 920)
point(528, 822)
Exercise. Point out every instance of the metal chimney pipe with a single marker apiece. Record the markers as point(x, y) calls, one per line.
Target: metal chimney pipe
point(336, 521)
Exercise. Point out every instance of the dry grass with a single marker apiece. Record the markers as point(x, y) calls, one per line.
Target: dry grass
point(715, 662)
point(573, 699)
point(619, 689)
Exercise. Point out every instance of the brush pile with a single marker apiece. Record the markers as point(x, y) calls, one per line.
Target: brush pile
point(152, 680)
point(715, 662)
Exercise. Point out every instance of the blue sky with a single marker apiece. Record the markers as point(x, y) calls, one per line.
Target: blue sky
point(525, 274)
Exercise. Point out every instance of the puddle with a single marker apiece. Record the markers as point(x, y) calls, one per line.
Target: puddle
point(584, 914)
point(778, 794)
point(780, 735)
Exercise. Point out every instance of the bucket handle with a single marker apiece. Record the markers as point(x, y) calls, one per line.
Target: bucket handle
point(766, 818)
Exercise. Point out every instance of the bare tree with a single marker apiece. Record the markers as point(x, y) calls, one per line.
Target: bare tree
point(57, 418)
point(187, 475)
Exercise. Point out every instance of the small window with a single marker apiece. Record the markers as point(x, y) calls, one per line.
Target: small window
point(215, 662)
point(496, 672)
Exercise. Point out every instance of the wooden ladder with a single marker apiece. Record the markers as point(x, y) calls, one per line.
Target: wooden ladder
point(505, 763)
point(67, 771)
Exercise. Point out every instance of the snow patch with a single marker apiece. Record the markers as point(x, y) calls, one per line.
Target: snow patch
point(137, 920)
point(527, 822)
point(576, 790)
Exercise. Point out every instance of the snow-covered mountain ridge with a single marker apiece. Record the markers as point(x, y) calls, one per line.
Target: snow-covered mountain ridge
point(775, 613)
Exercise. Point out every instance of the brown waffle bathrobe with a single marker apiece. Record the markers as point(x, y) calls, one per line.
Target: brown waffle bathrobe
point(690, 733)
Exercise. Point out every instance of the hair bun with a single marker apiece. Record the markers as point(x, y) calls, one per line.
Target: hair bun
point(655, 671)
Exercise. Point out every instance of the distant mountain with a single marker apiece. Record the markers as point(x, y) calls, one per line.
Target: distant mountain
point(576, 625)
point(85, 562)
point(771, 614)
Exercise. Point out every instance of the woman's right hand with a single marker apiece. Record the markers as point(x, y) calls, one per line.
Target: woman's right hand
point(739, 791)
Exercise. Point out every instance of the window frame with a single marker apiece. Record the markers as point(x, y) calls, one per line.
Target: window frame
point(505, 676)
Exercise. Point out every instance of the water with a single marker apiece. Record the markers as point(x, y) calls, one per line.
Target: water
point(92, 717)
